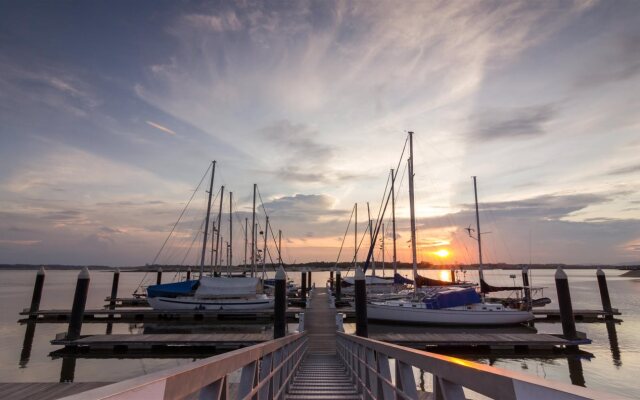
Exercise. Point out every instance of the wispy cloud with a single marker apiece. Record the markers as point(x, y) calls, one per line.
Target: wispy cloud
point(520, 122)
point(160, 127)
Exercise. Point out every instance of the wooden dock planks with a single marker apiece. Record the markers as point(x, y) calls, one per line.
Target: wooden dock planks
point(140, 341)
point(44, 390)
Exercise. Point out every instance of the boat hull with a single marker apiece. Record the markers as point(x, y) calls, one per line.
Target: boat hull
point(424, 316)
point(179, 303)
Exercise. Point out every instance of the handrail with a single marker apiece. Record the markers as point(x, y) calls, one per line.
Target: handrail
point(368, 361)
point(265, 369)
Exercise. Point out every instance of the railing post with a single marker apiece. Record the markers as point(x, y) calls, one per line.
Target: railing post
point(446, 390)
point(384, 389)
point(214, 391)
point(405, 380)
point(266, 367)
point(247, 379)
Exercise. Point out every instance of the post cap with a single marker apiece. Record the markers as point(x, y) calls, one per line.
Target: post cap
point(84, 274)
point(189, 269)
point(117, 271)
point(280, 275)
point(41, 271)
point(560, 274)
point(159, 269)
point(600, 272)
point(359, 274)
point(525, 270)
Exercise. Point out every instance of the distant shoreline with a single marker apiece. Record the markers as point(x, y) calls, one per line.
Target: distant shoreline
point(633, 270)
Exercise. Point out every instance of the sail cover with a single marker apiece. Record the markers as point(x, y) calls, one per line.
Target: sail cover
point(486, 288)
point(401, 280)
point(424, 281)
point(369, 280)
point(453, 297)
point(226, 287)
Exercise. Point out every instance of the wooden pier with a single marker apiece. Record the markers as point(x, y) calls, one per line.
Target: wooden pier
point(550, 315)
point(45, 390)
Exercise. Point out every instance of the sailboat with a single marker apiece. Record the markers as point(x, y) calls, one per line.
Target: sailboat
point(441, 304)
point(211, 292)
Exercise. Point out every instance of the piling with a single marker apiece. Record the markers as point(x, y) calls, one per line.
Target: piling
point(280, 304)
point(564, 301)
point(79, 302)
point(114, 288)
point(37, 293)
point(303, 286)
point(453, 275)
point(338, 286)
point(159, 276)
point(309, 280)
point(362, 328)
point(189, 273)
point(527, 288)
point(604, 294)
point(331, 280)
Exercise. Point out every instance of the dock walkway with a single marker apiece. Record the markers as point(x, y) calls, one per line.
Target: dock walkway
point(322, 374)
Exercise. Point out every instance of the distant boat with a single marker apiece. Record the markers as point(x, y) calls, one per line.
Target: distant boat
point(448, 305)
point(210, 293)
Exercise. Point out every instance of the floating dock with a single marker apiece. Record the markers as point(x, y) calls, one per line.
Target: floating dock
point(544, 314)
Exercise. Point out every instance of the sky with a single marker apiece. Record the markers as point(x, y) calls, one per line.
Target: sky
point(112, 111)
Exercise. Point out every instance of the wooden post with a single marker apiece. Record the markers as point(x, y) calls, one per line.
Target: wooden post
point(309, 280)
point(303, 286)
point(114, 289)
point(338, 285)
point(564, 301)
point(527, 288)
point(604, 294)
point(280, 304)
point(362, 328)
point(79, 302)
point(331, 280)
point(453, 275)
point(189, 273)
point(159, 276)
point(37, 293)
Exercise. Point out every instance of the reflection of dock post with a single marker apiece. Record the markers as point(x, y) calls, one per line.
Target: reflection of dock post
point(338, 285)
point(576, 374)
point(114, 289)
point(566, 309)
point(613, 343)
point(27, 344)
point(159, 276)
point(604, 294)
point(68, 370)
point(527, 288)
point(303, 286)
point(189, 273)
point(37, 293)
point(280, 304)
point(362, 328)
point(79, 302)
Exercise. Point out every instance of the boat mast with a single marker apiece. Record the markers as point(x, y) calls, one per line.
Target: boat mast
point(280, 247)
point(246, 240)
point(373, 260)
point(414, 255)
point(253, 232)
point(230, 256)
point(393, 220)
point(264, 249)
point(475, 192)
point(218, 243)
point(382, 248)
point(355, 239)
point(206, 222)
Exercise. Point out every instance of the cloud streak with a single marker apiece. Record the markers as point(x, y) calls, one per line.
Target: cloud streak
point(160, 127)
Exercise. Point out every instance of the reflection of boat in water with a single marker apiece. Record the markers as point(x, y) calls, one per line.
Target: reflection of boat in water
point(209, 293)
point(446, 306)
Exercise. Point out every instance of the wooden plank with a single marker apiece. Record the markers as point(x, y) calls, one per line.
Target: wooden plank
point(44, 390)
point(150, 340)
point(473, 339)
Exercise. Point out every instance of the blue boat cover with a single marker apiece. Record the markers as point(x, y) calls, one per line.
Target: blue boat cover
point(401, 280)
point(452, 298)
point(172, 289)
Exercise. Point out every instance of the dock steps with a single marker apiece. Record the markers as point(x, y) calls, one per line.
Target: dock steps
point(322, 377)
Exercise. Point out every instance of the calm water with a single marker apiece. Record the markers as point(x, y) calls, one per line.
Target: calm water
point(610, 369)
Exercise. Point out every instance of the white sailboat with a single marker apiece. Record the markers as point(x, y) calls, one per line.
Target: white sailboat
point(441, 305)
point(212, 293)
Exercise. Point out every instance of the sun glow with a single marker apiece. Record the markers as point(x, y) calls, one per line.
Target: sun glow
point(442, 253)
point(445, 276)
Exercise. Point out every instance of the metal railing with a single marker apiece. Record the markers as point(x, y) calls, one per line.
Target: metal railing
point(265, 369)
point(369, 364)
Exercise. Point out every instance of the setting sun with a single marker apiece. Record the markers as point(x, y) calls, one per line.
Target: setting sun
point(442, 253)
